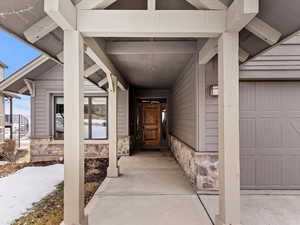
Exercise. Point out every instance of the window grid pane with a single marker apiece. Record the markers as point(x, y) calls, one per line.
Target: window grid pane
point(95, 117)
point(59, 118)
point(99, 117)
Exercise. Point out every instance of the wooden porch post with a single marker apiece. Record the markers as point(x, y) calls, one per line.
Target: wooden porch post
point(2, 110)
point(113, 169)
point(228, 78)
point(73, 137)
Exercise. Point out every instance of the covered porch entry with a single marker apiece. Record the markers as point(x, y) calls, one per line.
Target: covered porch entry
point(83, 34)
point(152, 189)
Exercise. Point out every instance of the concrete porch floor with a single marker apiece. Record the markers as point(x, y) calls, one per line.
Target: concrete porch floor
point(262, 207)
point(152, 190)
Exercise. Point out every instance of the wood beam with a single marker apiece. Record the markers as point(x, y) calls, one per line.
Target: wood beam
point(23, 90)
point(64, 13)
point(141, 23)
point(256, 26)
point(208, 4)
point(151, 4)
point(98, 55)
point(243, 55)
point(60, 57)
point(210, 49)
point(102, 82)
point(91, 70)
point(264, 31)
point(229, 146)
point(74, 126)
point(30, 86)
point(240, 13)
point(40, 29)
point(46, 25)
point(95, 4)
point(88, 72)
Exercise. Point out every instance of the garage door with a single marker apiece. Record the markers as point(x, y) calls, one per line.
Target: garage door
point(270, 135)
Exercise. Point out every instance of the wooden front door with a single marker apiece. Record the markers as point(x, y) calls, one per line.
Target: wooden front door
point(150, 124)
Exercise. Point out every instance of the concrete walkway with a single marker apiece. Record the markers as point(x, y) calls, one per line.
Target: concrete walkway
point(151, 191)
point(262, 207)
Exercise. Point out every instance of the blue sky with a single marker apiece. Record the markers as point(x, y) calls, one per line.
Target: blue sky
point(16, 54)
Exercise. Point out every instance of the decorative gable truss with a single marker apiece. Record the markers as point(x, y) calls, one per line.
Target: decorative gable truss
point(46, 25)
point(255, 25)
point(30, 86)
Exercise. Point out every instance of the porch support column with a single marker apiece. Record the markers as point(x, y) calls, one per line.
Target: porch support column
point(73, 136)
point(113, 169)
point(228, 79)
point(2, 109)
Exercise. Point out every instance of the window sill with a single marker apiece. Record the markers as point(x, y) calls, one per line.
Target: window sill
point(61, 142)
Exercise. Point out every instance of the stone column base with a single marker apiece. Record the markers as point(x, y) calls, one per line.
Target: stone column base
point(218, 221)
point(113, 172)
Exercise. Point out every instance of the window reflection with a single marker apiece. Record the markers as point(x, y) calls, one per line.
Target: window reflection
point(99, 118)
point(95, 117)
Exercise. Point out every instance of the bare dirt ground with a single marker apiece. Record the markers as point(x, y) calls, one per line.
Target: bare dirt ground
point(49, 211)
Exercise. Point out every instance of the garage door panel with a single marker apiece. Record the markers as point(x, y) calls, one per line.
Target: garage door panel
point(247, 97)
point(291, 93)
point(268, 97)
point(248, 170)
point(247, 133)
point(292, 133)
point(268, 133)
point(269, 171)
point(291, 176)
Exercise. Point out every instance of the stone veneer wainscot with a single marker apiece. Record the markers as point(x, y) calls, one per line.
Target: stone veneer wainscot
point(43, 148)
point(200, 167)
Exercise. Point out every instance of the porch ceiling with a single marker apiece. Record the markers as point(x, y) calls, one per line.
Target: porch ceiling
point(151, 64)
point(17, 16)
point(151, 71)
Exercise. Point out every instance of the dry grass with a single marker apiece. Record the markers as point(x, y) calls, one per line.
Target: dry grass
point(49, 211)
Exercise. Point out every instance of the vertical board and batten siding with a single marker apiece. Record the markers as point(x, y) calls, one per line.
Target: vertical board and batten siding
point(51, 82)
point(183, 105)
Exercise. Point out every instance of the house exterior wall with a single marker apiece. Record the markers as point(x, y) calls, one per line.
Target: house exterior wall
point(268, 130)
point(183, 105)
point(211, 108)
point(42, 145)
point(199, 159)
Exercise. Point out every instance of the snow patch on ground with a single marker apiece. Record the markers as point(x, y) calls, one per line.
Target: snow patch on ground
point(29, 185)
